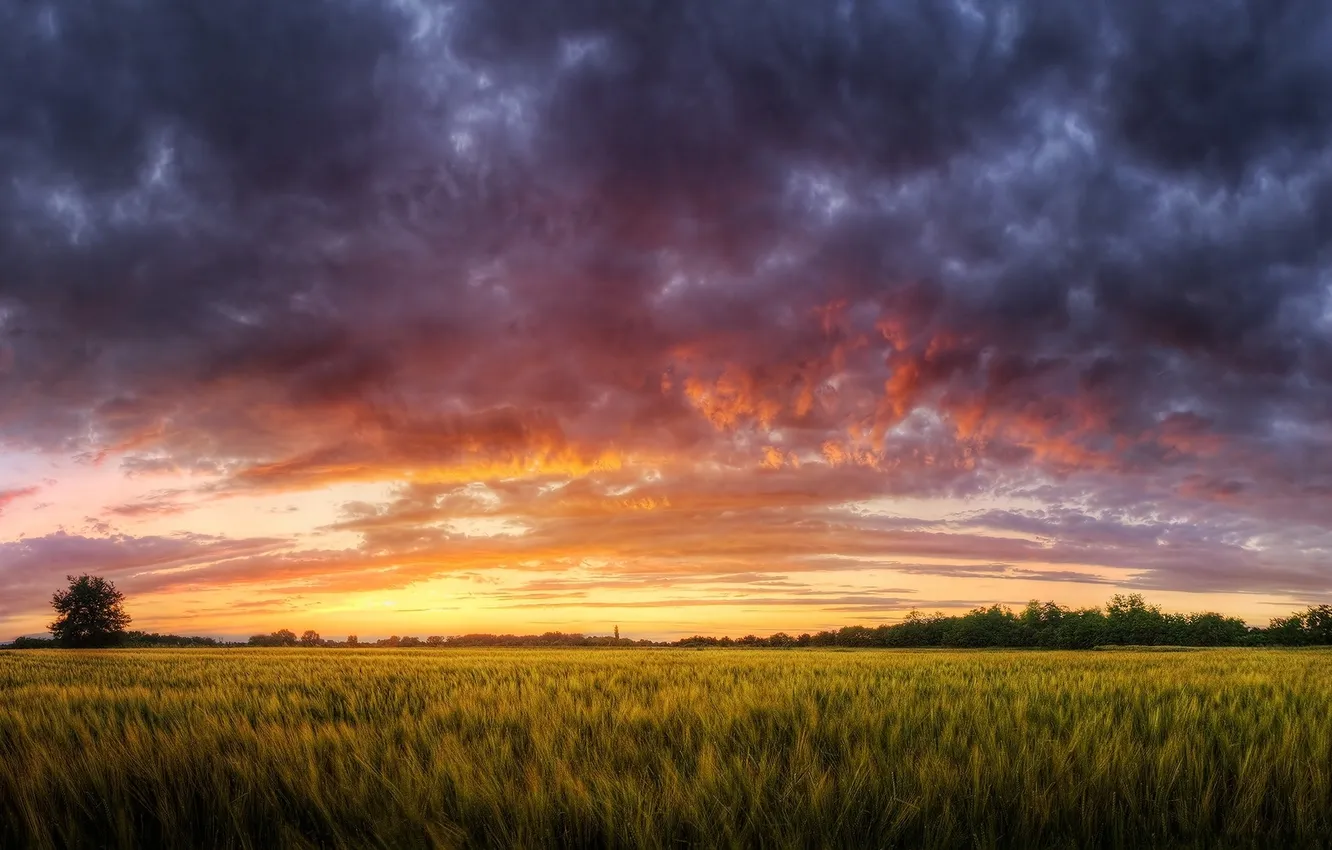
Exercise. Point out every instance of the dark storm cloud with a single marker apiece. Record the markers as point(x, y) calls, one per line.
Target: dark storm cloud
point(967, 247)
point(1222, 85)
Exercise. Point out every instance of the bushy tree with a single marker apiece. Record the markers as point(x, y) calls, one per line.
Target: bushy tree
point(32, 643)
point(1130, 620)
point(993, 626)
point(1212, 629)
point(1286, 631)
point(310, 638)
point(916, 629)
point(1313, 627)
point(1318, 624)
point(1082, 629)
point(855, 636)
point(144, 639)
point(281, 637)
point(91, 612)
point(1039, 623)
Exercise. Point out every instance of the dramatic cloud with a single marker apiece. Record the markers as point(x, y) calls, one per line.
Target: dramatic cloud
point(691, 287)
point(28, 567)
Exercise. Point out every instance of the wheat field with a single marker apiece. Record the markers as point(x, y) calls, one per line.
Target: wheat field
point(658, 748)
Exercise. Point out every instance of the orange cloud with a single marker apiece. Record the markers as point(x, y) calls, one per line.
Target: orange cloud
point(500, 443)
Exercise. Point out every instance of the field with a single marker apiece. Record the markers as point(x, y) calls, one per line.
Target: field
point(514, 748)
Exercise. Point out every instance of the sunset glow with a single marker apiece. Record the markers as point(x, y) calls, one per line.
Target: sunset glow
point(401, 318)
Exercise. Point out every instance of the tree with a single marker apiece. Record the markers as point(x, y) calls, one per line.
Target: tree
point(310, 638)
point(284, 637)
point(1318, 624)
point(32, 643)
point(90, 613)
point(993, 626)
point(1130, 620)
point(352, 640)
point(281, 637)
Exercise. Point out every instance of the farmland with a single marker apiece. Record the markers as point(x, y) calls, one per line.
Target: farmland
point(934, 748)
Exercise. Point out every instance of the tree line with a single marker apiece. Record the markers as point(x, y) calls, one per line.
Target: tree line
point(127, 640)
point(288, 638)
point(90, 613)
point(1127, 620)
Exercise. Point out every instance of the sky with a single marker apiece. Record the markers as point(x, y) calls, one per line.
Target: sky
point(410, 317)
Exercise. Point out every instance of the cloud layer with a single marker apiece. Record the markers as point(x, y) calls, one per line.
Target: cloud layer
point(762, 262)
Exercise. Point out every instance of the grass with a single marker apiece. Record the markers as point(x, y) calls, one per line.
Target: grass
point(514, 748)
point(1129, 647)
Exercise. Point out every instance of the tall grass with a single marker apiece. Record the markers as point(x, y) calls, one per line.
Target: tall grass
point(269, 748)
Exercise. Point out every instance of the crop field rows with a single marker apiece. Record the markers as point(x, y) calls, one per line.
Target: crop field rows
point(658, 748)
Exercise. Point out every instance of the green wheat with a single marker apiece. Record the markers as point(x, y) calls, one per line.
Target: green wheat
point(659, 748)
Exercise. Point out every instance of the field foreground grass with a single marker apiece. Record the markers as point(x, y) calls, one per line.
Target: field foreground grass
point(344, 748)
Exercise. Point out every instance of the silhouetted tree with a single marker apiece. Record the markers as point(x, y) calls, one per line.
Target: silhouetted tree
point(91, 612)
point(142, 639)
point(32, 643)
point(281, 637)
point(310, 638)
point(352, 640)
